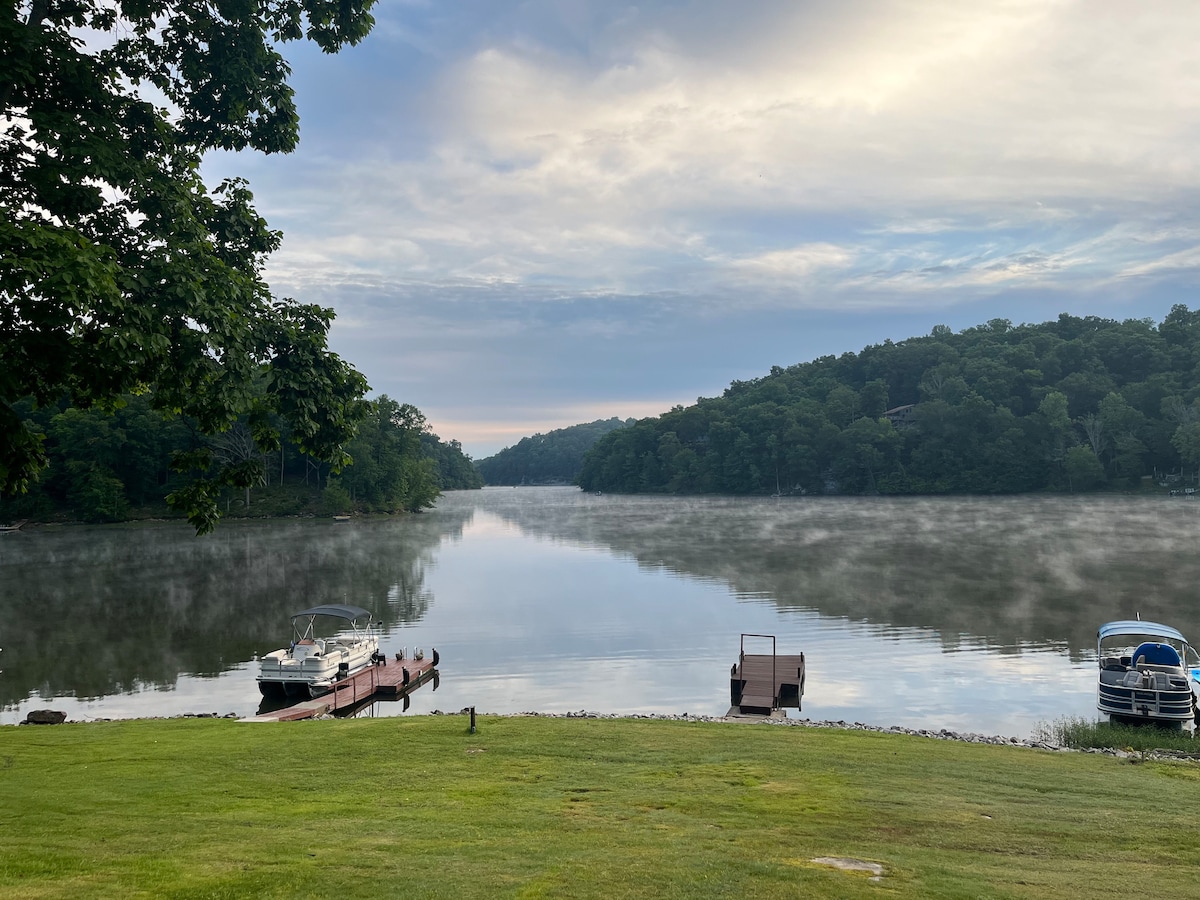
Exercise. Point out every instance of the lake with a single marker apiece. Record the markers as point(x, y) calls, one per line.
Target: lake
point(972, 614)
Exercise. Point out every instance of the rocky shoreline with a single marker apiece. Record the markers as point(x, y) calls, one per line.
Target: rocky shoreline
point(942, 734)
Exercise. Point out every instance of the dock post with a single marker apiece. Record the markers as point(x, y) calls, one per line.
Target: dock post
point(472, 720)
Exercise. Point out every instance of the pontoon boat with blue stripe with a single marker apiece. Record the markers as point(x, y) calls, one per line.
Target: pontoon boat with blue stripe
point(1148, 673)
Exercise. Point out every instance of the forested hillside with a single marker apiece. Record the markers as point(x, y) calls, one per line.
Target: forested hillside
point(1073, 404)
point(549, 458)
point(108, 467)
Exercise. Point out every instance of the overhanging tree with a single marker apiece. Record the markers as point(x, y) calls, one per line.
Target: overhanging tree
point(120, 272)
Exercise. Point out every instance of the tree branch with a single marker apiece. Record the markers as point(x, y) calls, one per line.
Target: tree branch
point(38, 11)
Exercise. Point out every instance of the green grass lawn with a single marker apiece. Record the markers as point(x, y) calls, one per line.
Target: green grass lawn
point(535, 807)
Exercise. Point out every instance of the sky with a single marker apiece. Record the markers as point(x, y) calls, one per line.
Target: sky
point(528, 215)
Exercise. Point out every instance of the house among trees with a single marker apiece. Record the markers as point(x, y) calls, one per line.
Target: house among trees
point(899, 415)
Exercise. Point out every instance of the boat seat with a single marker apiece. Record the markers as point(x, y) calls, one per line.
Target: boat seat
point(1164, 670)
point(1133, 678)
point(1154, 654)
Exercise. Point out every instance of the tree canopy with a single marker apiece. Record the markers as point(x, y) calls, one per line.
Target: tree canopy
point(1073, 404)
point(398, 462)
point(120, 271)
point(105, 467)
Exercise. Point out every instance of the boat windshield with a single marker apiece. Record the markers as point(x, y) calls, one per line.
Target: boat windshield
point(1120, 647)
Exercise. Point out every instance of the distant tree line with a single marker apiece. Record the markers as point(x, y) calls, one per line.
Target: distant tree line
point(551, 458)
point(1069, 405)
point(106, 467)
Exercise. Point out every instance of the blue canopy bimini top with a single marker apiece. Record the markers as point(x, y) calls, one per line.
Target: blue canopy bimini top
point(1134, 626)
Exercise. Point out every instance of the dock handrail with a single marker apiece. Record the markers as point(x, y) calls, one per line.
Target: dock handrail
point(742, 657)
point(339, 689)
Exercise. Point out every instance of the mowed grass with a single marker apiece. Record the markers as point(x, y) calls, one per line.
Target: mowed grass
point(533, 807)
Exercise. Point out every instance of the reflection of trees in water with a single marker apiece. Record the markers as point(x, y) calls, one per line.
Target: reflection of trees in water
point(96, 611)
point(1011, 570)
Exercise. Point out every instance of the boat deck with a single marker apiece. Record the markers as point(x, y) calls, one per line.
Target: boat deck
point(389, 679)
point(762, 682)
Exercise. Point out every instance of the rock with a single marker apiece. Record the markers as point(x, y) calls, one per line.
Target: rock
point(45, 717)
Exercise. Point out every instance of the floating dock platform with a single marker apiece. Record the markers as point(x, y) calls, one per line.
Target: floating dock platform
point(760, 683)
point(386, 680)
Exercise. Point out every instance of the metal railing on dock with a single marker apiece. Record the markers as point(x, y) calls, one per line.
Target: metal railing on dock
point(351, 691)
point(761, 683)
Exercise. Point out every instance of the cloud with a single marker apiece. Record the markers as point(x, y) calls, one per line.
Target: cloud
point(537, 187)
point(793, 263)
point(674, 150)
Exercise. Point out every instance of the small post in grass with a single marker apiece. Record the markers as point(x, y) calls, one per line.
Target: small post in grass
point(472, 720)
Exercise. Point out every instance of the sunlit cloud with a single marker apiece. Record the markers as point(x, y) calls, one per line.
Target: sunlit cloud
point(621, 169)
point(797, 262)
point(653, 172)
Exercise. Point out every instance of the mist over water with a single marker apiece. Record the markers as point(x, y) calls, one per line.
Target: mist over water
point(972, 614)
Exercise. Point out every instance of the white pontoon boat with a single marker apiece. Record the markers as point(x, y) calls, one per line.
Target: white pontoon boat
point(1148, 673)
point(311, 665)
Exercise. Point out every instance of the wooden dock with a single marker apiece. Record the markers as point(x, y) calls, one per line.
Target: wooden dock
point(388, 680)
point(760, 683)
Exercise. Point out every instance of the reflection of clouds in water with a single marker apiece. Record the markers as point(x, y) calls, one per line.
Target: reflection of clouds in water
point(1014, 570)
point(597, 685)
point(636, 638)
point(557, 599)
point(960, 613)
point(486, 525)
point(952, 613)
point(232, 692)
point(855, 673)
point(915, 685)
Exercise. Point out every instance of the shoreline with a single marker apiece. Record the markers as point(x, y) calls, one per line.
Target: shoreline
point(165, 516)
point(941, 734)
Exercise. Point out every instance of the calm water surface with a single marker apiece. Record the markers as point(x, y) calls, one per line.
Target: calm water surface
point(969, 614)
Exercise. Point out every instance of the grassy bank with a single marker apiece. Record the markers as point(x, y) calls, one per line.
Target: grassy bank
point(1080, 734)
point(588, 808)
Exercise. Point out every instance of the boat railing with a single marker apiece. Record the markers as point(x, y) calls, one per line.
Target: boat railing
point(348, 691)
